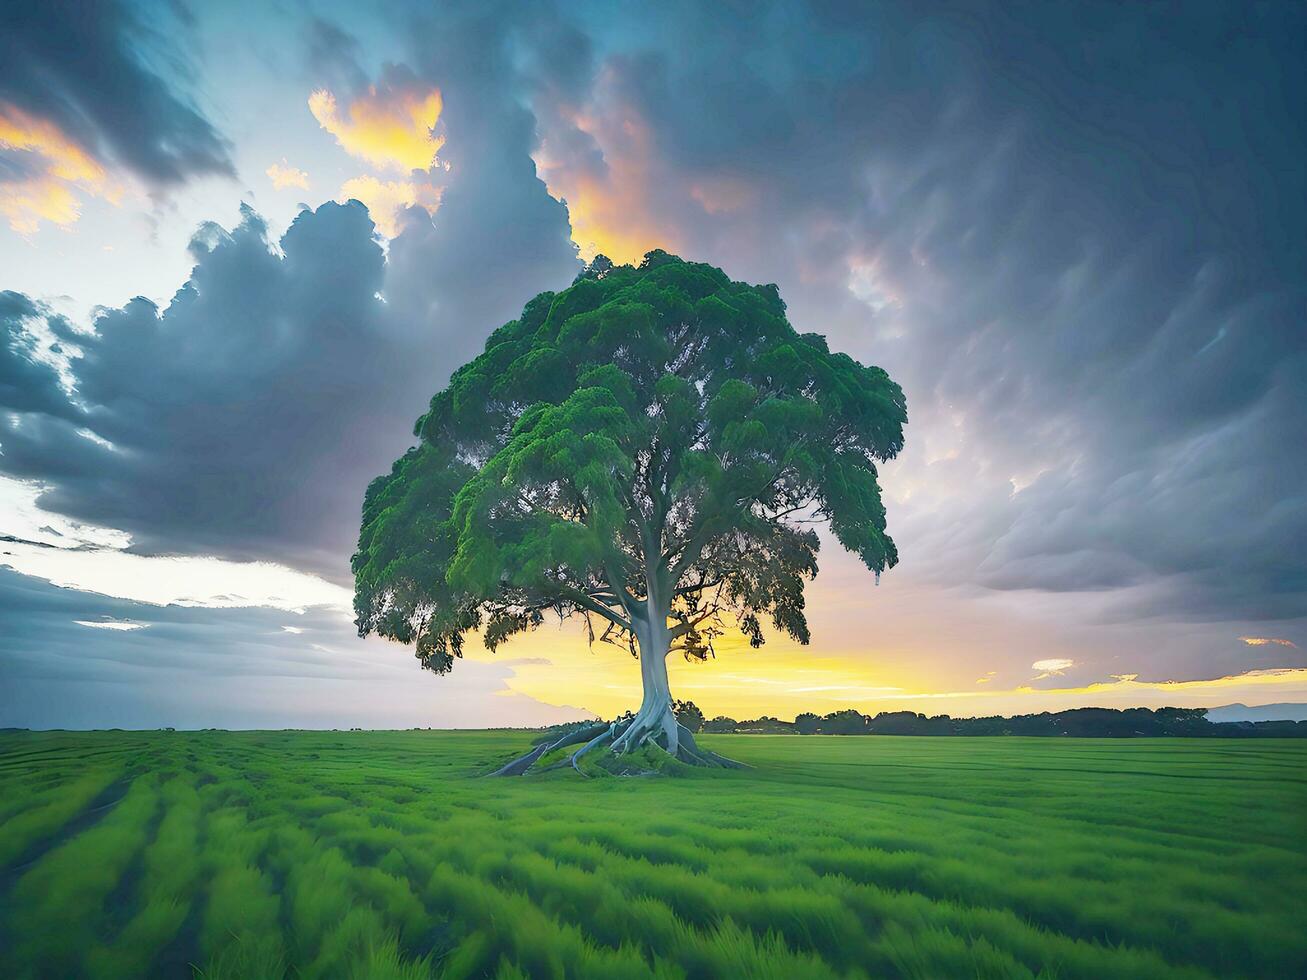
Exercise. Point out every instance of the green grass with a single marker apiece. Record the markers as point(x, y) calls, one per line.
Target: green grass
point(383, 855)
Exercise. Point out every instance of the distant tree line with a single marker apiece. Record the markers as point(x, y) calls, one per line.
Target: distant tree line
point(1075, 723)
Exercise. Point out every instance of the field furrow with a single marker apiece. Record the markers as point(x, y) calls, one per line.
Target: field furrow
point(387, 855)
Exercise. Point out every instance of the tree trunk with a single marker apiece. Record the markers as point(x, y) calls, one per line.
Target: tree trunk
point(654, 723)
point(655, 719)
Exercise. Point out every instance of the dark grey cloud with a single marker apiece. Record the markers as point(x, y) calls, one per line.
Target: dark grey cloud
point(246, 417)
point(28, 383)
point(332, 57)
point(1073, 234)
point(233, 668)
point(1080, 236)
point(89, 69)
point(498, 237)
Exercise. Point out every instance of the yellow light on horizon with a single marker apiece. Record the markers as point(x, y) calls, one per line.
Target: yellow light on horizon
point(556, 666)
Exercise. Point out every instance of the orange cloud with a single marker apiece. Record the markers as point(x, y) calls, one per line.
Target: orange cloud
point(624, 199)
point(385, 199)
point(387, 127)
point(1261, 641)
point(282, 176)
point(56, 168)
point(609, 206)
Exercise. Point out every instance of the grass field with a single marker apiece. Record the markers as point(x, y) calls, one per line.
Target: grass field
point(360, 854)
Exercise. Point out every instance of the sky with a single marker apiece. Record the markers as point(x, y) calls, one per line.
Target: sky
point(241, 245)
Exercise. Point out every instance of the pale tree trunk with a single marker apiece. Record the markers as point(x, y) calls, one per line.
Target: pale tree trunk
point(655, 718)
point(655, 723)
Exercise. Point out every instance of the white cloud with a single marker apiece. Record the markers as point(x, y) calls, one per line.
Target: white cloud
point(183, 581)
point(22, 518)
point(866, 284)
point(94, 559)
point(283, 175)
point(1054, 667)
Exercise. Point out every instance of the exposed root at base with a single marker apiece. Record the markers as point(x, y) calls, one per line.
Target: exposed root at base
point(626, 748)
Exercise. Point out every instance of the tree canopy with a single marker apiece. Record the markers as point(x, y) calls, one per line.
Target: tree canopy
point(649, 449)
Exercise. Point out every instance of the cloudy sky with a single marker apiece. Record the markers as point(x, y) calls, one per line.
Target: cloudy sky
point(242, 244)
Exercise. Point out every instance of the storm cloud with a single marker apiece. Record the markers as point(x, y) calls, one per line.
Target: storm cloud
point(29, 380)
point(1072, 234)
point(1063, 230)
point(498, 238)
point(87, 69)
point(244, 419)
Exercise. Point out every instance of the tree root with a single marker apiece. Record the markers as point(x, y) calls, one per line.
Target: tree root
point(522, 763)
point(622, 738)
point(609, 734)
point(706, 757)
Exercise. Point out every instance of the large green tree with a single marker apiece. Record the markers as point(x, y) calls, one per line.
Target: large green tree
point(649, 450)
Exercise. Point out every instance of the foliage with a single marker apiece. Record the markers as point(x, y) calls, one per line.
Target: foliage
point(689, 715)
point(1081, 722)
point(720, 724)
point(382, 854)
point(649, 444)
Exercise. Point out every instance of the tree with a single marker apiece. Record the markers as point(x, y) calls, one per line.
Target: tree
point(599, 267)
point(688, 716)
point(648, 450)
point(721, 724)
point(845, 722)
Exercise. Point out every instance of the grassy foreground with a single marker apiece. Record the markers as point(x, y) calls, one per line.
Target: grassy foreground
point(361, 854)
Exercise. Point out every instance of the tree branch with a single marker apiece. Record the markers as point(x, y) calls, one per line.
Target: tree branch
point(574, 595)
point(690, 624)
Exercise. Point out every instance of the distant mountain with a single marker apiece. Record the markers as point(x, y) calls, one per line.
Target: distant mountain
point(1285, 711)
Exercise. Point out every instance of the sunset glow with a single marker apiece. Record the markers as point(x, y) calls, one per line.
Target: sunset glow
point(386, 198)
point(59, 172)
point(245, 247)
point(557, 666)
point(386, 127)
point(609, 203)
